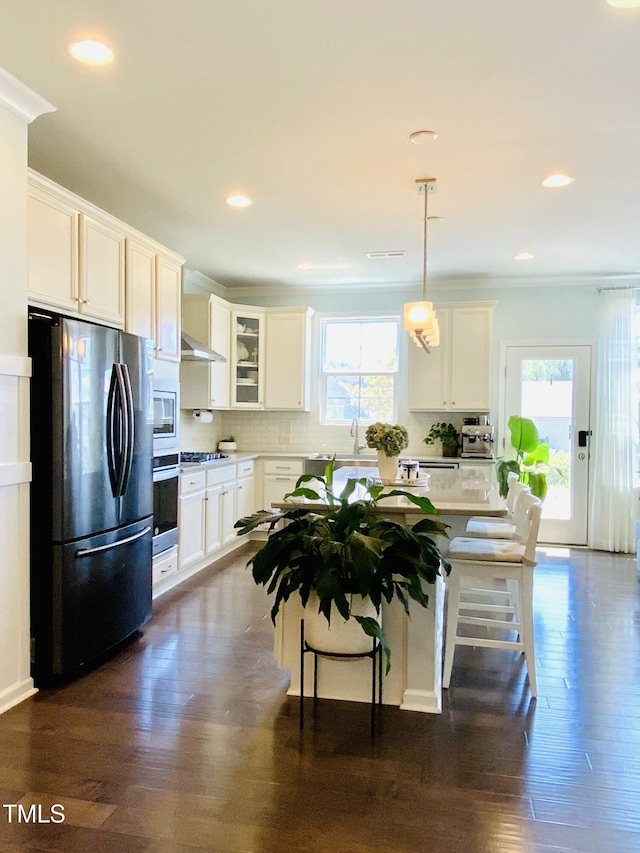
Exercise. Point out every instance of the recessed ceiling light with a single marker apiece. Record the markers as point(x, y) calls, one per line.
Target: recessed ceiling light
point(91, 52)
point(558, 180)
point(304, 266)
point(624, 4)
point(238, 200)
point(523, 256)
point(421, 137)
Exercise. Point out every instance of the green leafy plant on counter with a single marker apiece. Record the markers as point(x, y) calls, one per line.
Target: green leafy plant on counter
point(532, 458)
point(447, 434)
point(347, 548)
point(390, 438)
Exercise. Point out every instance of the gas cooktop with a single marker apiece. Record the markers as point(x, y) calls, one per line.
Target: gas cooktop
point(198, 458)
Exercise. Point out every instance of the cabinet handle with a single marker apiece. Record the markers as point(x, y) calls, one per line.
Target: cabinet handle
point(164, 571)
point(286, 479)
point(85, 301)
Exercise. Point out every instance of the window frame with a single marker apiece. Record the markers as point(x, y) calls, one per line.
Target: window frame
point(323, 376)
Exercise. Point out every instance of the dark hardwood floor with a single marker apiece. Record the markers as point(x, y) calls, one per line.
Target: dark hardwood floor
point(186, 741)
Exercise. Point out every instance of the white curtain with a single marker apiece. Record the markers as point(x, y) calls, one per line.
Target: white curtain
point(615, 435)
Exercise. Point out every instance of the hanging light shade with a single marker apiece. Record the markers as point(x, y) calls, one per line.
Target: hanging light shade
point(419, 317)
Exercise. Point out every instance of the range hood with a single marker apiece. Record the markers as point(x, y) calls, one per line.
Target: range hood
point(193, 350)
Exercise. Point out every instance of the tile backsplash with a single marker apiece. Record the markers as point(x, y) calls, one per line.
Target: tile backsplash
point(298, 432)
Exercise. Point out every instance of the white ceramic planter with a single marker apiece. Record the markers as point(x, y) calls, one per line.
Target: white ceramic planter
point(387, 466)
point(342, 636)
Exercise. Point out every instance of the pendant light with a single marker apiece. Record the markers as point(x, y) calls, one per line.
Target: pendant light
point(419, 317)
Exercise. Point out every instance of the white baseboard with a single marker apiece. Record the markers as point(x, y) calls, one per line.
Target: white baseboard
point(15, 694)
point(425, 701)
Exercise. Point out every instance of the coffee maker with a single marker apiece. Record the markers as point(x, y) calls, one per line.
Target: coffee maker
point(477, 438)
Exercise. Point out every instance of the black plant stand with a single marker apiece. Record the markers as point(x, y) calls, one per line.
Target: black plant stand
point(376, 656)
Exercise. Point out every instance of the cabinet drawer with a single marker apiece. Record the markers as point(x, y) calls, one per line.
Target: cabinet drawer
point(165, 564)
point(226, 474)
point(194, 481)
point(283, 466)
point(245, 469)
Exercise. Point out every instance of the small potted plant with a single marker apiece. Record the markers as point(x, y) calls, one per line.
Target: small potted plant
point(343, 552)
point(389, 440)
point(447, 434)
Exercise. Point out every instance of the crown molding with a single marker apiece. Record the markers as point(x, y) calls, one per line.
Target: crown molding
point(198, 282)
point(439, 286)
point(20, 99)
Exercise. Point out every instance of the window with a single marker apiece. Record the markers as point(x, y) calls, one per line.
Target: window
point(359, 369)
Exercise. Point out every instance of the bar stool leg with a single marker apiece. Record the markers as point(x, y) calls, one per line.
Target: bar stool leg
point(526, 589)
point(453, 598)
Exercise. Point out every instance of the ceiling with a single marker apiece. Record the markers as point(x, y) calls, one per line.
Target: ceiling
point(307, 106)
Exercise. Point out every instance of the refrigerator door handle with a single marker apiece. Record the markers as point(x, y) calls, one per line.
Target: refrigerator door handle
point(129, 427)
point(124, 432)
point(85, 552)
point(111, 419)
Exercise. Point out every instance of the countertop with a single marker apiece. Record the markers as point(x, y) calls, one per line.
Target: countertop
point(240, 456)
point(469, 490)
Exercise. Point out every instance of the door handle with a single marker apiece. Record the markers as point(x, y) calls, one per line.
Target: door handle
point(583, 435)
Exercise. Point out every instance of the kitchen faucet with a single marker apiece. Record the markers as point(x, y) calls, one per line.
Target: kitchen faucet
point(357, 447)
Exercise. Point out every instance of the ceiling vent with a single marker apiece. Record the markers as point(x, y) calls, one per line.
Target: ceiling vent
point(375, 255)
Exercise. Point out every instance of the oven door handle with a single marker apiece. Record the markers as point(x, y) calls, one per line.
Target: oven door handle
point(165, 474)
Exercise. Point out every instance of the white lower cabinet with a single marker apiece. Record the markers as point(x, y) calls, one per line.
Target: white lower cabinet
point(280, 477)
point(191, 518)
point(165, 564)
point(245, 494)
point(213, 513)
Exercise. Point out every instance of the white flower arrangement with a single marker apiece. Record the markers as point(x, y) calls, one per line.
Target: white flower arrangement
point(390, 438)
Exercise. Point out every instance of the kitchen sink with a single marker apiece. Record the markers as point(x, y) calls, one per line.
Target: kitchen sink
point(316, 462)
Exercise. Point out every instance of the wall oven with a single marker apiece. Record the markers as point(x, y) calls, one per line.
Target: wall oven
point(166, 474)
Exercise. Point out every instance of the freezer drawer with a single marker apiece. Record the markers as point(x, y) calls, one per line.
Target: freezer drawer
point(91, 594)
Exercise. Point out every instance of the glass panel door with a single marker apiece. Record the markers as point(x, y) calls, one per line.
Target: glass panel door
point(551, 385)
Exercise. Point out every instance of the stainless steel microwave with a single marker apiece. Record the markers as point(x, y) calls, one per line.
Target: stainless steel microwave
point(165, 414)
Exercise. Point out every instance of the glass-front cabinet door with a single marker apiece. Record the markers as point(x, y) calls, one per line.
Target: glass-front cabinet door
point(248, 359)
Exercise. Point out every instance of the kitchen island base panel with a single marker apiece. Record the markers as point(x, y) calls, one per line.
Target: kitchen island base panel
point(414, 681)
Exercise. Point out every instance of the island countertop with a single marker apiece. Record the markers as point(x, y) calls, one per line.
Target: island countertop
point(461, 491)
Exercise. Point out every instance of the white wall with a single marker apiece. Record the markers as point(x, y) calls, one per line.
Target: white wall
point(18, 106)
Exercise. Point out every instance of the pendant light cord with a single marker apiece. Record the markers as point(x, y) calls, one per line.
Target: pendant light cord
point(424, 258)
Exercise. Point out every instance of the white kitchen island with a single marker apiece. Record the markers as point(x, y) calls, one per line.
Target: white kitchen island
point(414, 682)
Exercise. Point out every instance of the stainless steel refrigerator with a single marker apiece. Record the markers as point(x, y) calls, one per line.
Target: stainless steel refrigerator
point(91, 491)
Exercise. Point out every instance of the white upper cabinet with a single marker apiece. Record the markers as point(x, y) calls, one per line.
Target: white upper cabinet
point(101, 275)
point(267, 350)
point(287, 359)
point(168, 298)
point(53, 250)
point(86, 263)
point(206, 385)
point(140, 285)
point(76, 254)
point(457, 374)
point(247, 358)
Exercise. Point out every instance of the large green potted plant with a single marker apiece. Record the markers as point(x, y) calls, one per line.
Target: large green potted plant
point(347, 550)
point(447, 434)
point(532, 458)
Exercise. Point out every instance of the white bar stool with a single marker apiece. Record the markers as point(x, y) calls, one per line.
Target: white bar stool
point(510, 560)
point(507, 526)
